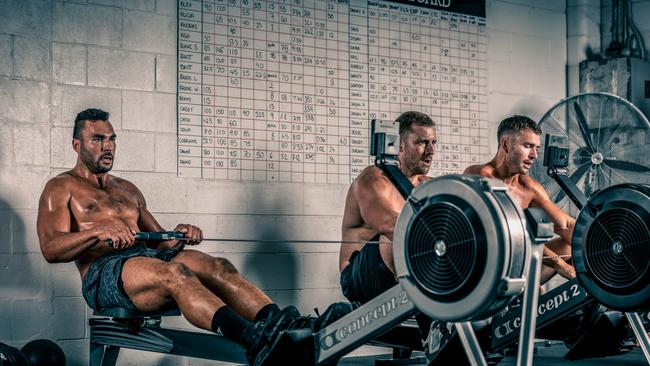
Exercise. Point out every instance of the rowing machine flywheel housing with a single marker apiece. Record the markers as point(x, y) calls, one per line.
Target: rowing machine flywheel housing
point(611, 247)
point(461, 248)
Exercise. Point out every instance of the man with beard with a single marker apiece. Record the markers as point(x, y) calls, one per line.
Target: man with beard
point(519, 139)
point(89, 216)
point(371, 209)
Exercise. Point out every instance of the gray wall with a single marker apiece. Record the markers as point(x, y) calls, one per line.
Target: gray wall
point(59, 57)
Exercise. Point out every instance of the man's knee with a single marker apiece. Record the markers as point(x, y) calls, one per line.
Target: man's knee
point(178, 272)
point(222, 266)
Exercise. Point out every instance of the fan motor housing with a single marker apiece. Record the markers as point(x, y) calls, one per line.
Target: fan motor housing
point(461, 247)
point(611, 247)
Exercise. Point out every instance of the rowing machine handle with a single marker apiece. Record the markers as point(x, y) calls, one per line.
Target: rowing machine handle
point(154, 235)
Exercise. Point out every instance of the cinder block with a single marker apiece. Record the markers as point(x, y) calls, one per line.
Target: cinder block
point(205, 196)
point(166, 73)
point(513, 18)
point(529, 50)
point(5, 54)
point(23, 276)
point(87, 24)
point(152, 112)
point(548, 82)
point(308, 299)
point(166, 7)
point(508, 78)
point(581, 48)
point(165, 153)
point(553, 5)
point(265, 198)
point(134, 151)
point(67, 281)
point(573, 79)
point(69, 317)
point(640, 11)
point(5, 319)
point(24, 238)
point(5, 230)
point(321, 270)
point(148, 5)
point(32, 144)
point(558, 52)
point(163, 192)
point(499, 46)
point(120, 69)
point(24, 101)
point(32, 58)
point(321, 199)
point(75, 350)
point(31, 318)
point(149, 32)
point(6, 144)
point(21, 188)
point(315, 228)
point(276, 271)
point(506, 105)
point(29, 17)
point(68, 101)
point(69, 64)
point(585, 18)
point(61, 153)
point(258, 227)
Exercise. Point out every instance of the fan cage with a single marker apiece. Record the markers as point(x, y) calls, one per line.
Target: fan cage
point(617, 248)
point(446, 249)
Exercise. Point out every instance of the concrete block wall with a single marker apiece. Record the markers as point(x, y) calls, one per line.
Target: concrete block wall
point(59, 57)
point(526, 59)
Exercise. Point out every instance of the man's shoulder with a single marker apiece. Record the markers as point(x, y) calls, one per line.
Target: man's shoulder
point(369, 177)
point(483, 170)
point(530, 183)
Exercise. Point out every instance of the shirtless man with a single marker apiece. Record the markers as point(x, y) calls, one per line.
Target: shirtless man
point(371, 209)
point(519, 139)
point(85, 209)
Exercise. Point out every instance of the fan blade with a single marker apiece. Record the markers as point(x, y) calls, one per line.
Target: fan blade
point(626, 165)
point(575, 178)
point(582, 123)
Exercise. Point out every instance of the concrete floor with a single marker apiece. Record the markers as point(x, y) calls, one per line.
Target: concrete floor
point(552, 355)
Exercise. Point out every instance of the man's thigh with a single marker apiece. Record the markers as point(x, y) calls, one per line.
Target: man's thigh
point(146, 283)
point(203, 265)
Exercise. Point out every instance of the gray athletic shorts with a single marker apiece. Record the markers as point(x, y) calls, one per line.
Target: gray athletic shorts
point(103, 288)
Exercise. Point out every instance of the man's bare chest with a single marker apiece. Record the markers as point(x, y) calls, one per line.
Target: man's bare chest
point(89, 203)
point(522, 196)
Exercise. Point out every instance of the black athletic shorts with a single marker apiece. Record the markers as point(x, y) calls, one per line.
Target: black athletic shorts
point(102, 286)
point(367, 275)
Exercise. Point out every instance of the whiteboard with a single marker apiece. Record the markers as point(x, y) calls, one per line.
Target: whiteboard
point(284, 90)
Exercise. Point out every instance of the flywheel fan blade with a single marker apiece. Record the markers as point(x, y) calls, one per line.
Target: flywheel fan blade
point(626, 165)
point(575, 178)
point(582, 123)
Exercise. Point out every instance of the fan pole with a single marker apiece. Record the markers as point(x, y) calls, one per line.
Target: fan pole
point(640, 333)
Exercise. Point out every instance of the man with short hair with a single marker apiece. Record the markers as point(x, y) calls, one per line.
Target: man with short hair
point(89, 216)
point(519, 139)
point(372, 206)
